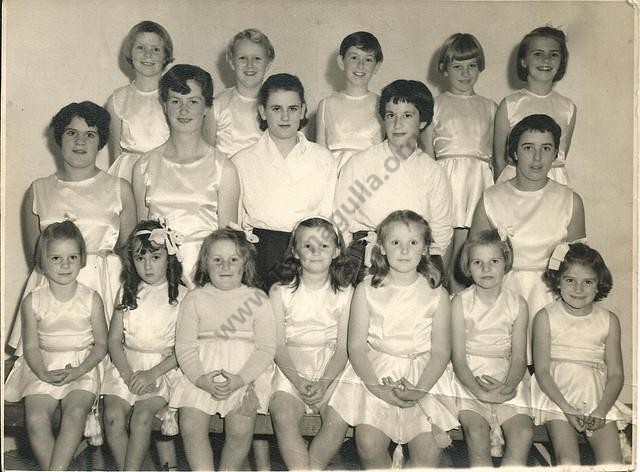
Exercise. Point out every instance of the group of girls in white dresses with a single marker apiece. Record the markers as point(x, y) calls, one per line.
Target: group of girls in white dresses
point(233, 202)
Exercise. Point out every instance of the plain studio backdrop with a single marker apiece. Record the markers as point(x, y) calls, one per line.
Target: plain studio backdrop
point(67, 51)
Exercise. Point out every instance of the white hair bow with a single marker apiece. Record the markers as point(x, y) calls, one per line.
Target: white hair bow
point(558, 255)
point(165, 236)
point(248, 233)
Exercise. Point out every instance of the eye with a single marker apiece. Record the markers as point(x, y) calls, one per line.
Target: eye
point(74, 257)
point(156, 257)
point(455, 66)
point(216, 260)
point(275, 108)
point(307, 246)
point(589, 283)
point(413, 242)
point(395, 242)
point(70, 132)
point(194, 101)
point(138, 259)
point(294, 108)
point(547, 147)
point(527, 147)
point(555, 54)
point(496, 261)
point(234, 259)
point(475, 262)
point(568, 280)
point(173, 101)
point(139, 47)
point(91, 134)
point(55, 259)
point(407, 115)
point(370, 59)
point(325, 246)
point(156, 49)
point(388, 115)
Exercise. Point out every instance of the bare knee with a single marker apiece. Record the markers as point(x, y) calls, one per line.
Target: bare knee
point(38, 418)
point(369, 447)
point(114, 418)
point(476, 429)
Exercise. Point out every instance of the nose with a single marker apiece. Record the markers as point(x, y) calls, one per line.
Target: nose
point(184, 107)
point(396, 121)
point(250, 62)
point(148, 52)
point(578, 287)
point(284, 115)
point(225, 264)
point(65, 262)
point(404, 249)
point(485, 267)
point(465, 72)
point(147, 263)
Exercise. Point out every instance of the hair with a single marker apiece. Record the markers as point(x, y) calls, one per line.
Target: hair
point(176, 78)
point(489, 237)
point(63, 230)
point(245, 249)
point(408, 91)
point(581, 254)
point(460, 47)
point(148, 27)
point(543, 32)
point(379, 263)
point(539, 123)
point(362, 40)
point(255, 36)
point(284, 82)
point(139, 244)
point(93, 114)
point(342, 268)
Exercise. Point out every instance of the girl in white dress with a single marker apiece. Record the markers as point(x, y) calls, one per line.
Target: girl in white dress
point(536, 211)
point(100, 204)
point(225, 345)
point(233, 123)
point(141, 340)
point(184, 180)
point(311, 309)
point(65, 338)
point(489, 325)
point(347, 121)
point(541, 62)
point(578, 359)
point(460, 136)
point(396, 387)
point(138, 123)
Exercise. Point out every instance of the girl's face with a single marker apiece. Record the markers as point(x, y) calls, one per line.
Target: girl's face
point(402, 125)
point(225, 265)
point(186, 112)
point(63, 261)
point(543, 58)
point(486, 264)
point(147, 54)
point(283, 112)
point(152, 265)
point(536, 152)
point(404, 246)
point(79, 144)
point(463, 76)
point(250, 63)
point(358, 66)
point(316, 249)
point(578, 289)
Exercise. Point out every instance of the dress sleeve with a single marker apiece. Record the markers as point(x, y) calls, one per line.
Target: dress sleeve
point(264, 330)
point(439, 202)
point(187, 340)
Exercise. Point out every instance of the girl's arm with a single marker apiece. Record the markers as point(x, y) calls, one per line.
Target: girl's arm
point(500, 133)
point(228, 194)
point(480, 221)
point(426, 140)
point(339, 359)
point(615, 371)
point(30, 227)
point(321, 138)
point(144, 381)
point(128, 214)
point(358, 349)
point(210, 128)
point(139, 191)
point(576, 229)
point(118, 357)
point(569, 131)
point(99, 349)
point(542, 360)
point(115, 128)
point(518, 349)
point(187, 346)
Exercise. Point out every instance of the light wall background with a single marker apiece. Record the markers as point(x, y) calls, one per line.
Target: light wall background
point(68, 50)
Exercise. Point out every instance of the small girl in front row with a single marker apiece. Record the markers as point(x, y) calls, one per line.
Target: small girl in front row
point(65, 338)
point(141, 340)
point(311, 308)
point(399, 347)
point(578, 359)
point(489, 353)
point(225, 345)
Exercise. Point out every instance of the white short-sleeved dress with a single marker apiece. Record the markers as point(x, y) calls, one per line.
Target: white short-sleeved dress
point(524, 103)
point(187, 196)
point(537, 222)
point(144, 126)
point(94, 205)
point(488, 334)
point(400, 323)
point(149, 337)
point(463, 146)
point(311, 329)
point(237, 125)
point(65, 336)
point(351, 124)
point(577, 364)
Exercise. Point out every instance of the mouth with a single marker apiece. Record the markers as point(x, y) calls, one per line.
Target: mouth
point(360, 74)
point(79, 151)
point(184, 121)
point(148, 64)
point(250, 73)
point(545, 68)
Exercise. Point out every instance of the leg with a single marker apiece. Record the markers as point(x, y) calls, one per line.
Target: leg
point(75, 408)
point(238, 431)
point(140, 431)
point(456, 275)
point(286, 415)
point(116, 418)
point(606, 445)
point(476, 436)
point(194, 427)
point(328, 441)
point(373, 447)
point(518, 432)
point(262, 454)
point(565, 442)
point(423, 451)
point(39, 411)
point(167, 452)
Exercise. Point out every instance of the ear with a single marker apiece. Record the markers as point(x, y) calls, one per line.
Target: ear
point(523, 63)
point(303, 110)
point(376, 67)
point(340, 61)
point(422, 125)
point(261, 112)
point(266, 69)
point(336, 252)
point(382, 251)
